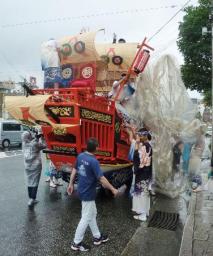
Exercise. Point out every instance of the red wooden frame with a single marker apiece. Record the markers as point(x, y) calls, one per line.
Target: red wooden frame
point(82, 115)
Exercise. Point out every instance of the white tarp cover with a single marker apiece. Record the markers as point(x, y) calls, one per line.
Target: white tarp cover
point(164, 106)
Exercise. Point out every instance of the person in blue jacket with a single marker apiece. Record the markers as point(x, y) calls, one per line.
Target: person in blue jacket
point(89, 174)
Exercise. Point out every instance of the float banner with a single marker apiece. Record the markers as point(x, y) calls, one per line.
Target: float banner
point(78, 49)
point(118, 57)
point(29, 110)
point(61, 111)
point(66, 75)
point(52, 75)
point(95, 116)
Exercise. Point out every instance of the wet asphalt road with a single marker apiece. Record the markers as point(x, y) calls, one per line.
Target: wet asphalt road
point(49, 228)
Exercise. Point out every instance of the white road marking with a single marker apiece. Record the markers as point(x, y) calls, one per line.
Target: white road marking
point(10, 153)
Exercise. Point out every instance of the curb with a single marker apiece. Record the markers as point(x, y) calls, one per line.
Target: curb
point(134, 237)
point(186, 248)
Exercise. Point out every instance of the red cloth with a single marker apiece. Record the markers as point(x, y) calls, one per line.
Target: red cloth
point(80, 83)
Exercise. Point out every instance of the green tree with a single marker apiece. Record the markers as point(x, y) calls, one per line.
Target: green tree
point(196, 49)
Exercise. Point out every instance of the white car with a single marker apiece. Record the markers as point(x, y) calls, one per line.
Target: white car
point(10, 132)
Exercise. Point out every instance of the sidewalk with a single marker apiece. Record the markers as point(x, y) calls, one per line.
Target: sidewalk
point(194, 234)
point(197, 237)
point(149, 241)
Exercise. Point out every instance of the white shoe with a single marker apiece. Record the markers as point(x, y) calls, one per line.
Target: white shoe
point(141, 217)
point(35, 201)
point(59, 183)
point(47, 179)
point(52, 184)
point(152, 193)
point(55, 180)
point(30, 202)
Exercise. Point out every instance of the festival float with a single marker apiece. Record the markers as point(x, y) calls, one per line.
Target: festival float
point(74, 104)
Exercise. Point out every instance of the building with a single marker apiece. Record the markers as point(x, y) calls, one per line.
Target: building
point(6, 87)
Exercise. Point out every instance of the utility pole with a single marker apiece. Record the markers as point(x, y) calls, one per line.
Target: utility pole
point(204, 33)
point(211, 19)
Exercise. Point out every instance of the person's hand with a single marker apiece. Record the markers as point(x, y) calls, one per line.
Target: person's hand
point(40, 135)
point(70, 189)
point(137, 138)
point(115, 192)
point(134, 128)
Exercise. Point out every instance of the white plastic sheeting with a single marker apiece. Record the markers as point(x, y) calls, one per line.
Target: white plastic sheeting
point(162, 104)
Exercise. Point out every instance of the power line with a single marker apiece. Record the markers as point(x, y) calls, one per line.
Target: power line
point(61, 19)
point(14, 71)
point(162, 27)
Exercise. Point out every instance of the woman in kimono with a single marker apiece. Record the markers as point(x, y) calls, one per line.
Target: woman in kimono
point(142, 162)
point(32, 146)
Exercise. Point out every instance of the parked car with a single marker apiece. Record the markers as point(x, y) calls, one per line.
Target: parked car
point(10, 132)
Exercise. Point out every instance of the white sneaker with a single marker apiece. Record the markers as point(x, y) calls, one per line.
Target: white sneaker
point(141, 217)
point(55, 180)
point(30, 202)
point(47, 179)
point(59, 183)
point(52, 184)
point(35, 201)
point(152, 193)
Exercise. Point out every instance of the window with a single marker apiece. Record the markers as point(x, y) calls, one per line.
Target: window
point(11, 127)
point(25, 128)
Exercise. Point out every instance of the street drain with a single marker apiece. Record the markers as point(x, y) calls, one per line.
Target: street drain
point(165, 220)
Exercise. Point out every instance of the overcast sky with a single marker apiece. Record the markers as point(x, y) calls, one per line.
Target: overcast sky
point(20, 42)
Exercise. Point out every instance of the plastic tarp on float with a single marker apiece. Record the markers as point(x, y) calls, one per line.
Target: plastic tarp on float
point(163, 105)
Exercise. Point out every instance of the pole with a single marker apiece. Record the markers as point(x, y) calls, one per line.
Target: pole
point(130, 68)
point(212, 90)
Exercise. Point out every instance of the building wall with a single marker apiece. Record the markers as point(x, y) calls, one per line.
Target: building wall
point(1, 105)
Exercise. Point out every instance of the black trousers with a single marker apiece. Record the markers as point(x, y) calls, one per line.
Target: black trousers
point(32, 192)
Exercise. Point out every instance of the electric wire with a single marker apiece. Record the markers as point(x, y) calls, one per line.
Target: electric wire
point(90, 16)
point(61, 19)
point(165, 24)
